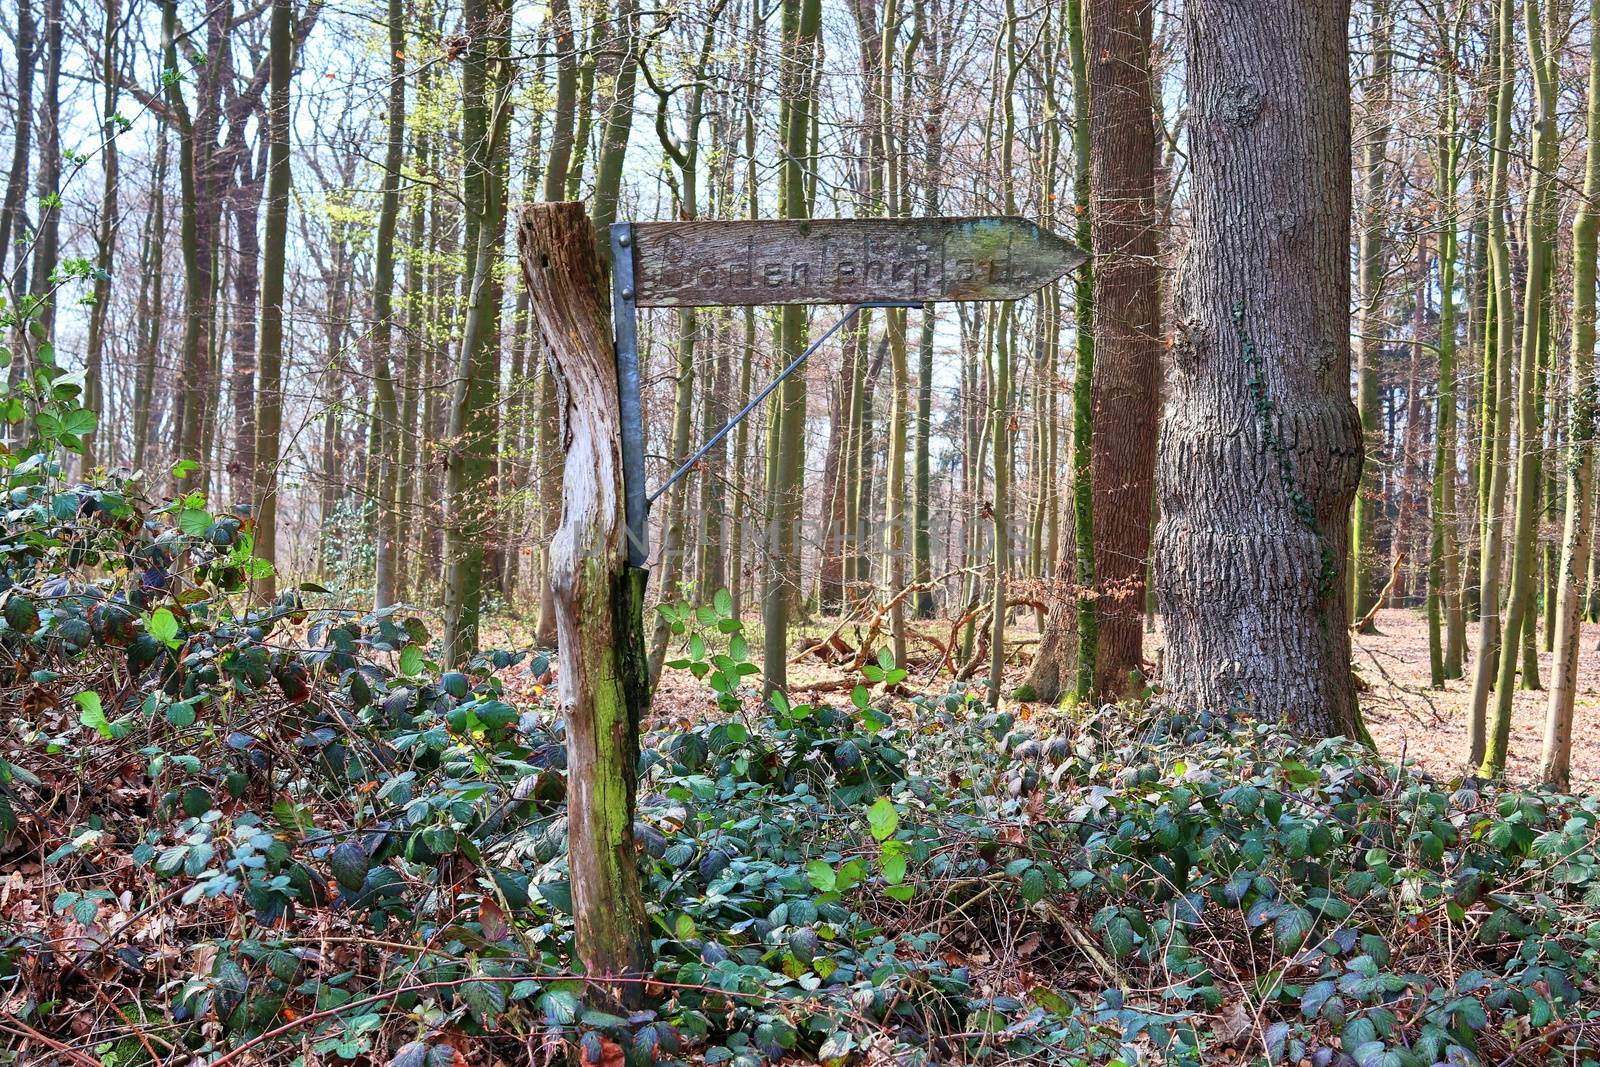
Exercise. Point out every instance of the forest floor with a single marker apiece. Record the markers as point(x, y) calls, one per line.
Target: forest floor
point(1428, 726)
point(1407, 717)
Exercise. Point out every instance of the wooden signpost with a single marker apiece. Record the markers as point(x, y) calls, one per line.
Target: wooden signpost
point(859, 262)
point(598, 554)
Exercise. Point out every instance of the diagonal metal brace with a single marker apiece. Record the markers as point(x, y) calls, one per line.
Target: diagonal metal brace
point(755, 401)
point(625, 319)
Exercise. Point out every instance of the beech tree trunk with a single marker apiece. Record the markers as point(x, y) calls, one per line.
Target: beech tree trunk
point(1496, 410)
point(269, 377)
point(105, 237)
point(604, 687)
point(1555, 765)
point(1370, 326)
point(386, 579)
point(1261, 449)
point(13, 213)
point(47, 239)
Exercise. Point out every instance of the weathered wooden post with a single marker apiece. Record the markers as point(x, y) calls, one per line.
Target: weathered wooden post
point(598, 598)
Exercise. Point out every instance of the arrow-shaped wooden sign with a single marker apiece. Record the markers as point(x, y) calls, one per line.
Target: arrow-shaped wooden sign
point(844, 261)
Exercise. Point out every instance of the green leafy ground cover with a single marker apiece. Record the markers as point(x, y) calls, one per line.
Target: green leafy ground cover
point(280, 833)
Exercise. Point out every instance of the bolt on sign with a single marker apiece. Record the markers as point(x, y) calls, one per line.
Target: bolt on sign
point(844, 261)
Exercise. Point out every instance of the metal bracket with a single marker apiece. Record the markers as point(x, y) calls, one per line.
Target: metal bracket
point(625, 322)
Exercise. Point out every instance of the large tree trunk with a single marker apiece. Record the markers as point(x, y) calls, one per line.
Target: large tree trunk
point(1127, 310)
point(604, 687)
point(1261, 447)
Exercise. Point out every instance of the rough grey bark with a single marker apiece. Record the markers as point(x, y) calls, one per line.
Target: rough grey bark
point(1260, 449)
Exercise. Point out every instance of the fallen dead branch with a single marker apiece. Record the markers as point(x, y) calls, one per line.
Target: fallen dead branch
point(1383, 597)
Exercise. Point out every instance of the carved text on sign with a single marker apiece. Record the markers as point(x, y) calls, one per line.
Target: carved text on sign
point(845, 261)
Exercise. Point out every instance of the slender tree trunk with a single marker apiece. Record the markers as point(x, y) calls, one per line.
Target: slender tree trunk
point(245, 203)
point(672, 542)
point(198, 239)
point(1499, 339)
point(1555, 764)
point(1370, 323)
point(922, 449)
point(741, 434)
point(386, 407)
point(473, 430)
point(152, 311)
point(674, 556)
point(106, 234)
point(1000, 398)
point(712, 505)
point(1127, 327)
point(1520, 609)
point(1408, 504)
point(801, 26)
point(1261, 447)
point(13, 213)
point(269, 377)
point(1083, 374)
point(1446, 624)
point(617, 66)
point(47, 238)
